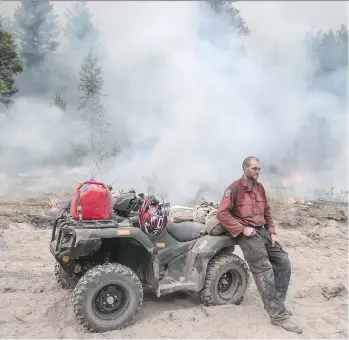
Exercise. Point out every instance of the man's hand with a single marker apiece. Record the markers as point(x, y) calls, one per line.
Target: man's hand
point(248, 231)
point(274, 239)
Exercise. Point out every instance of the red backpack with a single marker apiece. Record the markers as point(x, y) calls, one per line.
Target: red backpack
point(92, 201)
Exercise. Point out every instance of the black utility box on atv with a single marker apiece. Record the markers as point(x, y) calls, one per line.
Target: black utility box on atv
point(108, 264)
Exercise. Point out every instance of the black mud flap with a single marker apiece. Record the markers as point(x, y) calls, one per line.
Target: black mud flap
point(156, 271)
point(68, 267)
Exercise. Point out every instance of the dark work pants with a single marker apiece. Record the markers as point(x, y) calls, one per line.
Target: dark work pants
point(271, 270)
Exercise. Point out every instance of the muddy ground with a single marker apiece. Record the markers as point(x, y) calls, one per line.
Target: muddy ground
point(32, 305)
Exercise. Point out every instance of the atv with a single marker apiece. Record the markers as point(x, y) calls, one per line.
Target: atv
point(109, 263)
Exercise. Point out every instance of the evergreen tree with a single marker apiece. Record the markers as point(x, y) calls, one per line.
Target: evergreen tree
point(102, 144)
point(79, 28)
point(329, 48)
point(226, 8)
point(37, 29)
point(10, 65)
point(91, 84)
point(60, 103)
point(329, 51)
point(93, 112)
point(8, 25)
point(342, 40)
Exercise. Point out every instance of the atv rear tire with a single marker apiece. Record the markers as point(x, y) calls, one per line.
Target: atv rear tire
point(227, 279)
point(63, 278)
point(107, 297)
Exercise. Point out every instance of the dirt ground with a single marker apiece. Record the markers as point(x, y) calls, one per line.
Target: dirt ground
point(33, 306)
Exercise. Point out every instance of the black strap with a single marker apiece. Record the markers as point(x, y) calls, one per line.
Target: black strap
point(110, 204)
point(79, 207)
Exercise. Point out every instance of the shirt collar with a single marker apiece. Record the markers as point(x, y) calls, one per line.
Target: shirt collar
point(245, 185)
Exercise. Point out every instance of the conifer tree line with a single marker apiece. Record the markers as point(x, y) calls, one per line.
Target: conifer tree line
point(29, 43)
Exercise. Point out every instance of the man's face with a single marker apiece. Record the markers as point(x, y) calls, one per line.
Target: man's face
point(252, 170)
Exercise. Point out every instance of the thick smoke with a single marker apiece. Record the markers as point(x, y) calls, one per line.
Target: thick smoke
point(188, 103)
point(35, 141)
point(197, 105)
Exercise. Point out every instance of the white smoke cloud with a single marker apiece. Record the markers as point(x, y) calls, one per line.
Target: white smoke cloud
point(196, 107)
point(35, 141)
point(188, 106)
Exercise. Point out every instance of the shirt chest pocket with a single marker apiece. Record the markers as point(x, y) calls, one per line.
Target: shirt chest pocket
point(245, 207)
point(260, 204)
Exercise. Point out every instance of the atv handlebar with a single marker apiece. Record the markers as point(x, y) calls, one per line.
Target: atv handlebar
point(95, 182)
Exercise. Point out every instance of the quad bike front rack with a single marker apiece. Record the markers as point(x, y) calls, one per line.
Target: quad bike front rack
point(67, 226)
point(64, 229)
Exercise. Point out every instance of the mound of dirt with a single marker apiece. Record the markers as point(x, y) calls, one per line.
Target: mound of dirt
point(39, 212)
point(293, 216)
point(315, 238)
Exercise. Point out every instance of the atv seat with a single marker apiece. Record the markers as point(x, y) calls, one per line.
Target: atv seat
point(185, 231)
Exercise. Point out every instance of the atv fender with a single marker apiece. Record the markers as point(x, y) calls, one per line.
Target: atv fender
point(88, 240)
point(203, 251)
point(138, 235)
point(126, 232)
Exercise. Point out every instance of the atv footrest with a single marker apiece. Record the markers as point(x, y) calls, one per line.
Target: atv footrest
point(168, 286)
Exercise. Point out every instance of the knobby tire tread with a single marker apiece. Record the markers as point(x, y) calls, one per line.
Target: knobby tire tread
point(206, 296)
point(112, 270)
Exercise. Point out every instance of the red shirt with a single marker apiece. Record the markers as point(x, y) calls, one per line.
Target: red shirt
point(241, 206)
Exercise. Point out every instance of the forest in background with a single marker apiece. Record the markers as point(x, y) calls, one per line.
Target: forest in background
point(33, 65)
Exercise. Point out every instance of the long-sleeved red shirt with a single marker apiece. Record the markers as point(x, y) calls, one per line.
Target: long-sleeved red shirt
point(241, 206)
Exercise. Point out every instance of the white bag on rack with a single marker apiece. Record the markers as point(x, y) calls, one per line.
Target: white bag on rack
point(200, 213)
point(213, 226)
point(180, 213)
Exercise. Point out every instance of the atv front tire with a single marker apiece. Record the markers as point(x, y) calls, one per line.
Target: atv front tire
point(107, 297)
point(63, 278)
point(227, 279)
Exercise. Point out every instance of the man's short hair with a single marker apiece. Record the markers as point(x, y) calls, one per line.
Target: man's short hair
point(247, 161)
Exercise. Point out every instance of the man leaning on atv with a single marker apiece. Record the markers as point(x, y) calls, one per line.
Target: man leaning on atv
point(245, 213)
